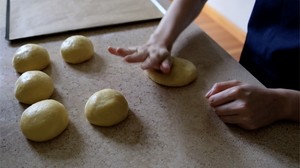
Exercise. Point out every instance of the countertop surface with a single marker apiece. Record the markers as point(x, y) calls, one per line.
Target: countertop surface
point(166, 127)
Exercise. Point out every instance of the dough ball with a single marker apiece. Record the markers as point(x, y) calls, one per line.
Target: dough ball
point(30, 57)
point(182, 73)
point(44, 120)
point(106, 107)
point(33, 86)
point(77, 49)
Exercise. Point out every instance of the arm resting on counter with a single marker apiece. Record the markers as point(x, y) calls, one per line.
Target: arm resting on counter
point(253, 107)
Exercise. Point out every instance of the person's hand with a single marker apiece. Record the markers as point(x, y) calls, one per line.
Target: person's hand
point(155, 54)
point(152, 56)
point(245, 105)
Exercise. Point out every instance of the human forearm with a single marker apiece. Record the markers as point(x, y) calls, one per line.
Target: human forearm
point(155, 53)
point(290, 102)
point(179, 15)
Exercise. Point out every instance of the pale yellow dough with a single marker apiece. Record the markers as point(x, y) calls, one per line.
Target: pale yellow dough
point(30, 57)
point(106, 107)
point(33, 86)
point(44, 120)
point(77, 49)
point(182, 73)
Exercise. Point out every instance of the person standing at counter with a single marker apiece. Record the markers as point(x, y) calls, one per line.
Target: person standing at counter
point(270, 53)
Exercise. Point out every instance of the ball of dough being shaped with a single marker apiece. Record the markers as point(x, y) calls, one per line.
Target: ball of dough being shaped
point(30, 57)
point(106, 107)
point(182, 73)
point(44, 120)
point(33, 86)
point(77, 49)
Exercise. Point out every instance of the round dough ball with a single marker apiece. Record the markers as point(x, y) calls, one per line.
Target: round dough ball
point(33, 86)
point(30, 57)
point(77, 49)
point(182, 73)
point(44, 120)
point(106, 107)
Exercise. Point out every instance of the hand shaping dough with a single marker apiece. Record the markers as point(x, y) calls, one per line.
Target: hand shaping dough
point(182, 73)
point(30, 57)
point(44, 120)
point(106, 107)
point(77, 49)
point(33, 86)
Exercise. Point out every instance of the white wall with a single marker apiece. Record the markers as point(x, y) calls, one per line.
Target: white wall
point(237, 11)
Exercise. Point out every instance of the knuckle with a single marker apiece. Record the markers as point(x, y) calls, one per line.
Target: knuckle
point(217, 85)
point(237, 90)
point(242, 106)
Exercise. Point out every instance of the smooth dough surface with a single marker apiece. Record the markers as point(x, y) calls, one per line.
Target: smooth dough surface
point(106, 107)
point(182, 73)
point(77, 49)
point(30, 57)
point(44, 120)
point(33, 86)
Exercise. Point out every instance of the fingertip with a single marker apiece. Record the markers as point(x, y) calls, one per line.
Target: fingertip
point(213, 110)
point(207, 95)
point(111, 50)
point(165, 68)
point(166, 65)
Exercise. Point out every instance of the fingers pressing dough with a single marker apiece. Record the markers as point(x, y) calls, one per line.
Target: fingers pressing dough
point(182, 73)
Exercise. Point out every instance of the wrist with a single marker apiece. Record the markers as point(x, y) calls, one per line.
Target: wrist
point(289, 103)
point(160, 40)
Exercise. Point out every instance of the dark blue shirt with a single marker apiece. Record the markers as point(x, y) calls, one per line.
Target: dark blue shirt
point(271, 50)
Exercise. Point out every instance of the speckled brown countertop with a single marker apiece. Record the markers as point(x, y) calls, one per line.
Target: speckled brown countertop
point(166, 127)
